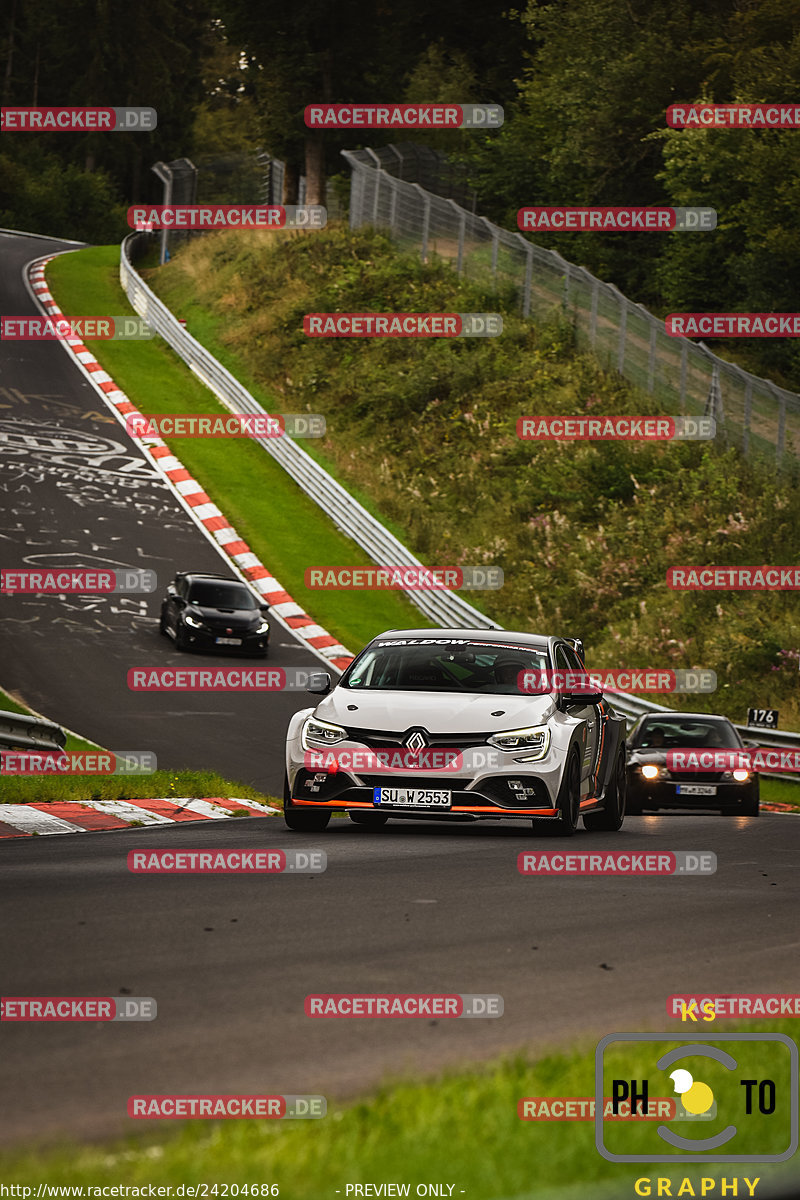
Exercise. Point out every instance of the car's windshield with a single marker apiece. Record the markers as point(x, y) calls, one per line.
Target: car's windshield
point(684, 732)
point(221, 595)
point(446, 666)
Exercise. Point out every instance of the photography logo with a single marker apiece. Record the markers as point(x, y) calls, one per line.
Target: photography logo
point(734, 1101)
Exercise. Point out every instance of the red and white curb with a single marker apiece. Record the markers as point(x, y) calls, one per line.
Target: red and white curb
point(193, 498)
point(88, 816)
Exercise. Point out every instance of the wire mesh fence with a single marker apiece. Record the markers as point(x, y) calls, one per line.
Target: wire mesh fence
point(754, 414)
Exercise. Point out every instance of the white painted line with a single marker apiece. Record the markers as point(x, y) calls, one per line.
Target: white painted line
point(31, 820)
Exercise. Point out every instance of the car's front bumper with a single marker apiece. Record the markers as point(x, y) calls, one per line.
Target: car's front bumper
point(206, 639)
point(664, 793)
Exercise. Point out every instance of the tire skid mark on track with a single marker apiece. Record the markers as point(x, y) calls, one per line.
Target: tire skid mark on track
point(51, 817)
point(192, 496)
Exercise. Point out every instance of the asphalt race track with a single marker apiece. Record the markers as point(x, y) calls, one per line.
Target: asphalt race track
point(229, 959)
point(75, 491)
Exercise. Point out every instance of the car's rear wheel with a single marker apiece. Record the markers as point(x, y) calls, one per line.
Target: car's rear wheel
point(612, 816)
point(370, 820)
point(302, 822)
point(568, 804)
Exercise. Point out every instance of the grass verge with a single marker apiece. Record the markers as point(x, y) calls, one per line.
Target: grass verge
point(461, 1128)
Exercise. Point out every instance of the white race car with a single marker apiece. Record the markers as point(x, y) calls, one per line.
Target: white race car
point(434, 724)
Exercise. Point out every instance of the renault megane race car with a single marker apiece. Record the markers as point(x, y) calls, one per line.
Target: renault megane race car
point(435, 724)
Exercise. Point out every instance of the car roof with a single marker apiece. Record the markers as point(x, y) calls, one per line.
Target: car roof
point(503, 636)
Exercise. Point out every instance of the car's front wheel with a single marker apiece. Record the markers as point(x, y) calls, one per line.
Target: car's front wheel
point(750, 807)
point(568, 804)
point(612, 816)
point(181, 638)
point(302, 822)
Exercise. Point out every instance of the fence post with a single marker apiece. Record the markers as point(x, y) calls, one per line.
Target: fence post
point(781, 435)
point(623, 327)
point(593, 317)
point(684, 365)
point(393, 208)
point(748, 413)
point(651, 361)
point(426, 220)
point(462, 226)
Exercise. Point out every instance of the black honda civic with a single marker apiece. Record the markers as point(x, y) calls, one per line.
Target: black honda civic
point(214, 612)
point(652, 785)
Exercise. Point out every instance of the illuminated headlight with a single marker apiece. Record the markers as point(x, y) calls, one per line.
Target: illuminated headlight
point(190, 620)
point(320, 733)
point(535, 741)
point(651, 771)
point(262, 627)
point(741, 776)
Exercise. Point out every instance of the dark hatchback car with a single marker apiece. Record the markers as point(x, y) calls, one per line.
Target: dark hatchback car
point(214, 612)
point(652, 785)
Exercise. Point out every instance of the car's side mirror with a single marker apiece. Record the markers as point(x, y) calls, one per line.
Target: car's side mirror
point(581, 697)
point(264, 608)
point(319, 682)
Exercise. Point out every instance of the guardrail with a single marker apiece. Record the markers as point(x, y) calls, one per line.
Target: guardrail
point(444, 607)
point(18, 732)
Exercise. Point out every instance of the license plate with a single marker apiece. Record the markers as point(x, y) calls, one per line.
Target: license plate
point(229, 641)
point(412, 797)
point(696, 789)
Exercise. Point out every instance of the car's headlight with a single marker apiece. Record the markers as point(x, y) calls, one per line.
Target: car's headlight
point(741, 776)
point(190, 620)
point(535, 741)
point(650, 770)
point(321, 733)
point(262, 627)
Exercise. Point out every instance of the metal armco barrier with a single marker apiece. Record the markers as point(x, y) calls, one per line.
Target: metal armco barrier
point(444, 607)
point(18, 732)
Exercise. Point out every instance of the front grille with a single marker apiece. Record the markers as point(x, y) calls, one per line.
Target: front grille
point(447, 783)
point(382, 739)
point(693, 777)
